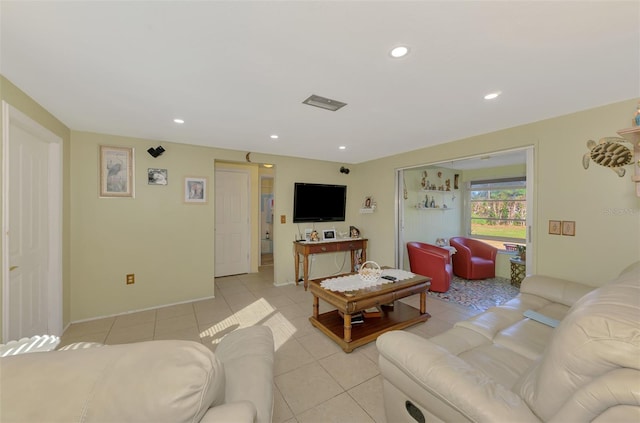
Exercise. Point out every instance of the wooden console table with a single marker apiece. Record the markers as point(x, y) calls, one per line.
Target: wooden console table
point(305, 248)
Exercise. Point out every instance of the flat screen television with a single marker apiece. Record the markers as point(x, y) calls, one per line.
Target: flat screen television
point(319, 202)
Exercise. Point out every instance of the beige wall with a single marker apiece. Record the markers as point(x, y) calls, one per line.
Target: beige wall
point(169, 245)
point(18, 99)
point(604, 206)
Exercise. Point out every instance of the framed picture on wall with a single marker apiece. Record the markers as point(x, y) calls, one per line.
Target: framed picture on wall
point(157, 176)
point(116, 171)
point(195, 190)
point(554, 227)
point(569, 227)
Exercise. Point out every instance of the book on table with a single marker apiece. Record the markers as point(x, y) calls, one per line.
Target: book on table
point(372, 312)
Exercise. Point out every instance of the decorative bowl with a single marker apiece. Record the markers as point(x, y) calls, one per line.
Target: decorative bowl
point(370, 271)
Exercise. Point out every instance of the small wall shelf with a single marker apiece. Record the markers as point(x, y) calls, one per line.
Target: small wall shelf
point(365, 210)
point(633, 136)
point(439, 199)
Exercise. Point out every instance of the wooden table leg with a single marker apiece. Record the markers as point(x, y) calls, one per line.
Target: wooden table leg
point(305, 269)
point(347, 327)
point(296, 260)
point(423, 302)
point(316, 307)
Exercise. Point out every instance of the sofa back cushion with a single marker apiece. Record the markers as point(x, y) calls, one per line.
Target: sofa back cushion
point(155, 381)
point(599, 339)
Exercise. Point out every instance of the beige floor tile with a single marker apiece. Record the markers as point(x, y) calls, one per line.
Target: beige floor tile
point(307, 387)
point(369, 396)
point(137, 333)
point(281, 411)
point(133, 319)
point(174, 310)
point(290, 356)
point(303, 326)
point(370, 350)
point(351, 369)
point(294, 310)
point(319, 345)
point(339, 409)
point(176, 323)
point(87, 328)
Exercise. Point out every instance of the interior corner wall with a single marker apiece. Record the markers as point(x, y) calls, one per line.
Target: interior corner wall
point(21, 101)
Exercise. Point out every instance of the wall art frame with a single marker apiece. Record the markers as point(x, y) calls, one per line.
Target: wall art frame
point(569, 227)
point(157, 176)
point(555, 227)
point(195, 190)
point(117, 172)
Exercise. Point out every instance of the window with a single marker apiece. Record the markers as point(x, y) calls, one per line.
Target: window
point(498, 210)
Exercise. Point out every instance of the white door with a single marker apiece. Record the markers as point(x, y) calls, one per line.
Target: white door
point(232, 223)
point(32, 245)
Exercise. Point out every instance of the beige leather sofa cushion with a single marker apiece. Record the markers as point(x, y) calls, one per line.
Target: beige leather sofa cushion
point(596, 345)
point(158, 381)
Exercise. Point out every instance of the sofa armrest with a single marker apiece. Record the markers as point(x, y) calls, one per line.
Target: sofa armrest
point(553, 289)
point(416, 366)
point(247, 355)
point(237, 412)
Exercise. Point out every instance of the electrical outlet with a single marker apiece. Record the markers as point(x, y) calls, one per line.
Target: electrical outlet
point(283, 218)
point(131, 279)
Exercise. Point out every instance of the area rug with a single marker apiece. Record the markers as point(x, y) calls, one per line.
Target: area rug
point(479, 295)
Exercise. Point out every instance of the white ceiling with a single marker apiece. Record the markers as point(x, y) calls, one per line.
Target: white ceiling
point(237, 71)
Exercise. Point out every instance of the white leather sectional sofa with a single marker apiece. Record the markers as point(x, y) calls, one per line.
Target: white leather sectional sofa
point(156, 381)
point(500, 366)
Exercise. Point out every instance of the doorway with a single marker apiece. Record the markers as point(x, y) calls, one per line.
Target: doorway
point(31, 227)
point(232, 223)
point(432, 199)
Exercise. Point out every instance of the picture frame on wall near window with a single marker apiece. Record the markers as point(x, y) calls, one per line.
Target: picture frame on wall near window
point(555, 227)
point(116, 172)
point(569, 227)
point(195, 190)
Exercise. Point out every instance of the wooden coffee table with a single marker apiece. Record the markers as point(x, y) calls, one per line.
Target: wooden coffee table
point(338, 327)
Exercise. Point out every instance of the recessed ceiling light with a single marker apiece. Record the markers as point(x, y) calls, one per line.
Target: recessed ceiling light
point(274, 137)
point(491, 96)
point(398, 52)
point(342, 147)
point(178, 121)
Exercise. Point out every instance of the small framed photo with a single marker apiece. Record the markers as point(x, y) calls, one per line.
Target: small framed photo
point(116, 172)
point(157, 176)
point(195, 190)
point(555, 227)
point(569, 227)
point(329, 234)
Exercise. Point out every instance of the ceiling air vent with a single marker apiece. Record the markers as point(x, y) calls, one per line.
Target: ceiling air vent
point(324, 103)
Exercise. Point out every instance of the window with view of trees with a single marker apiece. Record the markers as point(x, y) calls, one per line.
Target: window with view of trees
point(499, 209)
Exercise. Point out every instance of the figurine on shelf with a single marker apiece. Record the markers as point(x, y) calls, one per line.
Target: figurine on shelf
point(315, 236)
point(355, 233)
point(448, 184)
point(636, 117)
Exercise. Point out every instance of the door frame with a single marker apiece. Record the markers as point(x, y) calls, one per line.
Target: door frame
point(531, 204)
point(12, 115)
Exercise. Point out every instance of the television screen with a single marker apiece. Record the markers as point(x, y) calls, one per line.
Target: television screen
point(319, 202)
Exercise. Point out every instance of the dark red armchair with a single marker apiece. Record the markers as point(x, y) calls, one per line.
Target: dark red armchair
point(473, 259)
point(429, 260)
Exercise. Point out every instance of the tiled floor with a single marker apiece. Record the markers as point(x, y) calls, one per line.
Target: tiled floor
point(315, 381)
